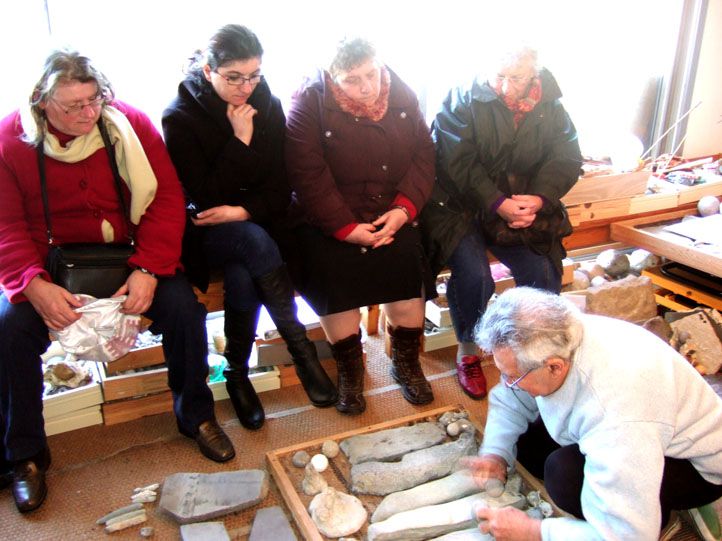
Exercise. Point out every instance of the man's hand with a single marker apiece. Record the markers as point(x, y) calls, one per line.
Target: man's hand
point(140, 288)
point(519, 211)
point(486, 467)
point(54, 303)
point(221, 215)
point(508, 524)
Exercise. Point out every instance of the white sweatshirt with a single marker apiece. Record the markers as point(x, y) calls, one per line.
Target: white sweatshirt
point(628, 400)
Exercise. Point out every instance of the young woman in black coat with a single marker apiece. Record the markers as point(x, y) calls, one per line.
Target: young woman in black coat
point(225, 134)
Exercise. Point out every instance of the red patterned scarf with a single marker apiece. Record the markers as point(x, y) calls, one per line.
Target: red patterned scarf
point(522, 106)
point(375, 111)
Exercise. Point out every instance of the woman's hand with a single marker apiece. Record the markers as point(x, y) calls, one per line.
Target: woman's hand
point(519, 211)
point(241, 119)
point(508, 524)
point(221, 215)
point(140, 288)
point(363, 234)
point(54, 303)
point(390, 222)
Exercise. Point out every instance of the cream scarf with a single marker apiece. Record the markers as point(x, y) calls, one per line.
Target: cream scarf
point(133, 164)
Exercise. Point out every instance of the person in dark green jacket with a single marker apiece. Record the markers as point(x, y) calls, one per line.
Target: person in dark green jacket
point(507, 152)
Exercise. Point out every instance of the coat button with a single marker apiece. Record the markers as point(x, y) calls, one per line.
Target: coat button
point(385, 167)
point(96, 214)
point(328, 133)
point(441, 203)
point(83, 184)
point(356, 119)
point(364, 249)
point(403, 114)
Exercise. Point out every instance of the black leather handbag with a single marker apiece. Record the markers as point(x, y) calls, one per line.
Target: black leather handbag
point(92, 269)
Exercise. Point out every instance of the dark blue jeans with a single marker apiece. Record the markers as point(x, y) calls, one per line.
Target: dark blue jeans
point(245, 251)
point(471, 285)
point(175, 312)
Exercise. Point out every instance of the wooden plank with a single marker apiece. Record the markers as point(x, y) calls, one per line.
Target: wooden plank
point(137, 358)
point(685, 290)
point(137, 384)
point(598, 210)
point(692, 194)
point(126, 410)
point(631, 232)
point(287, 477)
point(370, 318)
point(600, 187)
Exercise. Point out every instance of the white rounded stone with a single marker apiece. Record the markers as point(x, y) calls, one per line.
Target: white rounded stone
point(319, 462)
point(708, 205)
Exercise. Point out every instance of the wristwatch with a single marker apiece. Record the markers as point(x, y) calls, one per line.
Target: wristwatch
point(146, 271)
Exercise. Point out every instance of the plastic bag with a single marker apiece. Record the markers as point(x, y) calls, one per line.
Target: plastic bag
point(103, 333)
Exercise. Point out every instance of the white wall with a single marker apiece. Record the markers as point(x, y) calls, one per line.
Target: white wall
point(704, 128)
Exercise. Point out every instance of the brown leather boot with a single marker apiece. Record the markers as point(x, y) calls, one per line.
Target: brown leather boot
point(406, 369)
point(350, 366)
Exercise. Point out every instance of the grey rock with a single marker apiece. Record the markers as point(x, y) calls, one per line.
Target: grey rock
point(194, 497)
point(204, 531)
point(641, 259)
point(471, 534)
point(449, 488)
point(614, 263)
point(631, 299)
point(393, 443)
point(415, 468)
point(337, 514)
point(300, 459)
point(147, 531)
point(330, 448)
point(271, 524)
point(436, 520)
point(313, 482)
point(118, 512)
point(451, 416)
point(659, 327)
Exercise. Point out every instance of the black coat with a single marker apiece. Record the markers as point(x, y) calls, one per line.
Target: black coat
point(477, 146)
point(216, 168)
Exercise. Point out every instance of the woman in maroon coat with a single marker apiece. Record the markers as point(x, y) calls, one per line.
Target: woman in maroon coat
point(361, 163)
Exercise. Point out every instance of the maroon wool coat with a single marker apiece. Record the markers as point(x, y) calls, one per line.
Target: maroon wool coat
point(345, 169)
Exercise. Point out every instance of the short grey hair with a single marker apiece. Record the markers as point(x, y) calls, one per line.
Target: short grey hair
point(534, 324)
point(61, 65)
point(351, 52)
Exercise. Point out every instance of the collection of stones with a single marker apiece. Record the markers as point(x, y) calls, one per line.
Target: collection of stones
point(133, 514)
point(427, 494)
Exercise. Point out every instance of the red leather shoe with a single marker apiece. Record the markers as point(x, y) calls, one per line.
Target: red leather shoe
point(471, 376)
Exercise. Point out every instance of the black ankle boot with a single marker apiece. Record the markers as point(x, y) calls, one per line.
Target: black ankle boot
point(406, 369)
point(350, 364)
point(276, 293)
point(240, 330)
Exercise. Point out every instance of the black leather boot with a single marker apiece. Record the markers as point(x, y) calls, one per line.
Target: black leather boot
point(240, 330)
point(406, 369)
point(276, 293)
point(350, 365)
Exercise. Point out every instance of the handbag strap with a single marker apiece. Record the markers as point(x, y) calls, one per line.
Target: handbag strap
point(110, 151)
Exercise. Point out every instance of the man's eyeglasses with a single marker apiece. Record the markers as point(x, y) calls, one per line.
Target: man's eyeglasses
point(77, 108)
point(240, 80)
point(514, 384)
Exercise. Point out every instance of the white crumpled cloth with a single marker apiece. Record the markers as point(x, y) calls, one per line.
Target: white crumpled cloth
point(103, 333)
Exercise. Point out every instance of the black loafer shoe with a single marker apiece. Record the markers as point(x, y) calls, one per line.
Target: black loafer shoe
point(29, 487)
point(213, 442)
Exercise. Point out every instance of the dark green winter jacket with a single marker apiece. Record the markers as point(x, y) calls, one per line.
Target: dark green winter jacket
point(477, 145)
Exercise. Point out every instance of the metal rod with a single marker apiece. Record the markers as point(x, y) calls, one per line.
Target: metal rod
point(680, 119)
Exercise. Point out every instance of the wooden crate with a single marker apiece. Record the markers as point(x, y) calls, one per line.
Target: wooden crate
point(137, 358)
point(601, 187)
point(288, 477)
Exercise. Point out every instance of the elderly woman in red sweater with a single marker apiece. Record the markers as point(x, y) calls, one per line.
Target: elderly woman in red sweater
point(361, 163)
point(60, 128)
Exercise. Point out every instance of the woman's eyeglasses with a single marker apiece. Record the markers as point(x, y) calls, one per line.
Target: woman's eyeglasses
point(77, 108)
point(240, 80)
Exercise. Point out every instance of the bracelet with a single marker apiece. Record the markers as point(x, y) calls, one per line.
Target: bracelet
point(146, 271)
point(406, 211)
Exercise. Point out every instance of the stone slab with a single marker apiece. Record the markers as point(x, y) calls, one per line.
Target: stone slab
point(392, 443)
point(196, 497)
point(271, 524)
point(204, 531)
